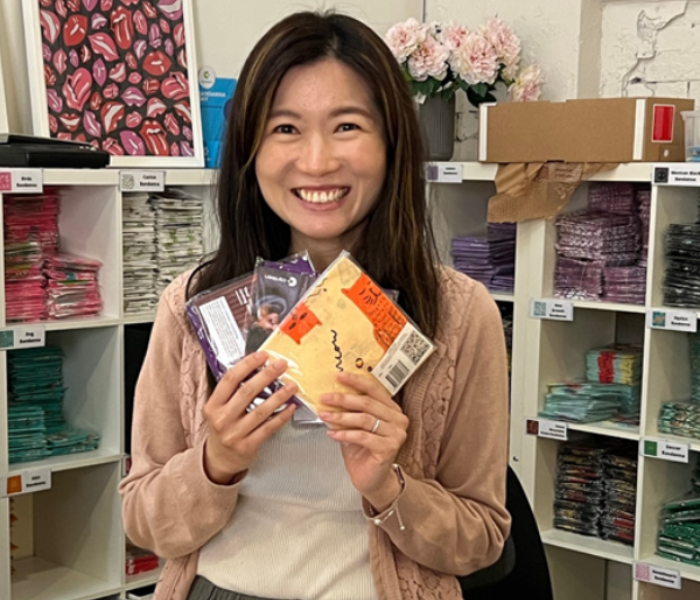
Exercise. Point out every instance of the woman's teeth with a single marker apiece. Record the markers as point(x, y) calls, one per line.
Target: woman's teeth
point(322, 197)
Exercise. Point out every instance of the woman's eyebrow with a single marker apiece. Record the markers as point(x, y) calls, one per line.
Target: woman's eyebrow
point(337, 112)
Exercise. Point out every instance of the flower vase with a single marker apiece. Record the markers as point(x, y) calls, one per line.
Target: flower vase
point(437, 119)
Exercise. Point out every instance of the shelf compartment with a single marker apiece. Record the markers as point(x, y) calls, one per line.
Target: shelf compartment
point(132, 582)
point(607, 428)
point(690, 591)
point(588, 545)
point(70, 538)
point(580, 576)
point(610, 306)
point(92, 401)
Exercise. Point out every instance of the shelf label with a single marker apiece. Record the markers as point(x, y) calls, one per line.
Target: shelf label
point(673, 320)
point(546, 428)
point(443, 172)
point(670, 578)
point(681, 174)
point(23, 337)
point(666, 450)
point(557, 310)
point(22, 181)
point(142, 181)
point(33, 480)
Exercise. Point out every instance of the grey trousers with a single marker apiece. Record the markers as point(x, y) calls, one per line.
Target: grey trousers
point(203, 589)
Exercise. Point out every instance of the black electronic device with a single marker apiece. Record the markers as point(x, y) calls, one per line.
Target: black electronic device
point(48, 153)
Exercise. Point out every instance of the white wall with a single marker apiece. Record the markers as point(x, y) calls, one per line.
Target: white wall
point(651, 49)
point(225, 32)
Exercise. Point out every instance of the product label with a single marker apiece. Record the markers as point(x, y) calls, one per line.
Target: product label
point(546, 428)
point(673, 320)
point(21, 181)
point(443, 172)
point(665, 450)
point(670, 578)
point(408, 352)
point(33, 480)
point(662, 125)
point(557, 310)
point(224, 333)
point(22, 337)
point(142, 181)
point(677, 174)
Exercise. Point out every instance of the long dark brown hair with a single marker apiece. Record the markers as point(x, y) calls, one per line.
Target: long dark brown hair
point(397, 247)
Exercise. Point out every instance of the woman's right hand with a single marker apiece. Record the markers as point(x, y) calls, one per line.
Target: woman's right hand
point(234, 434)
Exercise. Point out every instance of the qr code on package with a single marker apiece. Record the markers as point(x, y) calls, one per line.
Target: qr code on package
point(415, 347)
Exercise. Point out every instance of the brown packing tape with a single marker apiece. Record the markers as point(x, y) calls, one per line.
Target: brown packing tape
point(537, 190)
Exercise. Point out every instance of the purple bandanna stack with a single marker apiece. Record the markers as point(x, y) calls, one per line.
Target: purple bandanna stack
point(601, 250)
point(489, 259)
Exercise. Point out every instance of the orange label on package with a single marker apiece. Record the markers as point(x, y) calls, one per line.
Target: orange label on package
point(300, 321)
point(386, 319)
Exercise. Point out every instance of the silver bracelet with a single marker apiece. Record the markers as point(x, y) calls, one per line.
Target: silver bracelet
point(394, 506)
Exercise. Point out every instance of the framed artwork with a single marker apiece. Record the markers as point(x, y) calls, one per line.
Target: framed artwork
point(118, 74)
point(4, 125)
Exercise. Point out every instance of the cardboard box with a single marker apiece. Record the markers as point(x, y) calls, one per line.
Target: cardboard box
point(612, 130)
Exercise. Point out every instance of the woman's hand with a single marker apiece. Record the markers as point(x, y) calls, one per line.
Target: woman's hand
point(371, 428)
point(235, 436)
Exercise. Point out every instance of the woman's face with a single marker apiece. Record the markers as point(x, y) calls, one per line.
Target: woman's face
point(322, 163)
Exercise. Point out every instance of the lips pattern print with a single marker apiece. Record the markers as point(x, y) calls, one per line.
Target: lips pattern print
point(117, 76)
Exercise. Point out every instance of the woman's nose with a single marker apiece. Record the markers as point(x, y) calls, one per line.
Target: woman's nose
point(317, 156)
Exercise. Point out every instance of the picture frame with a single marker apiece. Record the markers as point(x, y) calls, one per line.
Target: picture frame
point(4, 121)
point(121, 76)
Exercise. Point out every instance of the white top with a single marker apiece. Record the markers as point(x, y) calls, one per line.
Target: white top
point(298, 531)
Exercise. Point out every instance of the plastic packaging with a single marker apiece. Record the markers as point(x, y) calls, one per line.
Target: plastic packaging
point(346, 322)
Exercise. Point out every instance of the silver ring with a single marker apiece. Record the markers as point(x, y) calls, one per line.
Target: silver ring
point(376, 426)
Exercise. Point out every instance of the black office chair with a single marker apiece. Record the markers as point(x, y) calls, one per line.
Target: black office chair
point(521, 571)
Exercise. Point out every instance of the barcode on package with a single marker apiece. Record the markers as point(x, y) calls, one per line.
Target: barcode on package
point(409, 350)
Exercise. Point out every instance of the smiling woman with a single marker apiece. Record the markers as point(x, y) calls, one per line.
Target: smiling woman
point(394, 495)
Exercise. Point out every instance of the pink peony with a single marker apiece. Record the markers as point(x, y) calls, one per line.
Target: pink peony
point(429, 60)
point(528, 86)
point(475, 61)
point(505, 43)
point(404, 38)
point(452, 36)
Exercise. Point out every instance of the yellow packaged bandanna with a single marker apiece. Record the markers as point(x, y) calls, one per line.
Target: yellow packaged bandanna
point(346, 323)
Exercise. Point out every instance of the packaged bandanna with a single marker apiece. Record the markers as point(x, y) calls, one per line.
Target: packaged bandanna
point(346, 323)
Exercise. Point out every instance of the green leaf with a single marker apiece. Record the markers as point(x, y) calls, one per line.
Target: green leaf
point(481, 89)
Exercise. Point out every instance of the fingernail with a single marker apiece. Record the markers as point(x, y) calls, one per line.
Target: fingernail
point(328, 398)
point(280, 363)
point(290, 387)
point(326, 416)
point(332, 433)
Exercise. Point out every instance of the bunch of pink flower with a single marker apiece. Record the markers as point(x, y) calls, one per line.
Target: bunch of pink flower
point(440, 59)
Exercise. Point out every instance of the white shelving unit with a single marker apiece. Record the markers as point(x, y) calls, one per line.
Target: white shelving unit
point(71, 536)
point(71, 539)
point(544, 351)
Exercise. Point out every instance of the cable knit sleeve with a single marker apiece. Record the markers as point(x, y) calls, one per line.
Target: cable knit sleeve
point(457, 522)
point(169, 505)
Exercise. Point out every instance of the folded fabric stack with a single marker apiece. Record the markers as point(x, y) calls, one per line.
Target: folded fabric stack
point(489, 259)
point(139, 252)
point(644, 201)
point(140, 560)
point(31, 233)
point(588, 402)
point(681, 284)
point(72, 287)
point(616, 364)
point(694, 351)
point(579, 490)
point(179, 225)
point(680, 418)
point(600, 252)
point(594, 492)
point(36, 391)
point(695, 482)
point(501, 239)
point(470, 255)
point(679, 534)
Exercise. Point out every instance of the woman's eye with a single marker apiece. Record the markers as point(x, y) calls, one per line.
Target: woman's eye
point(348, 127)
point(284, 129)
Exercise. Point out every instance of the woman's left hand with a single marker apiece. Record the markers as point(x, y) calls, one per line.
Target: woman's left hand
point(371, 428)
